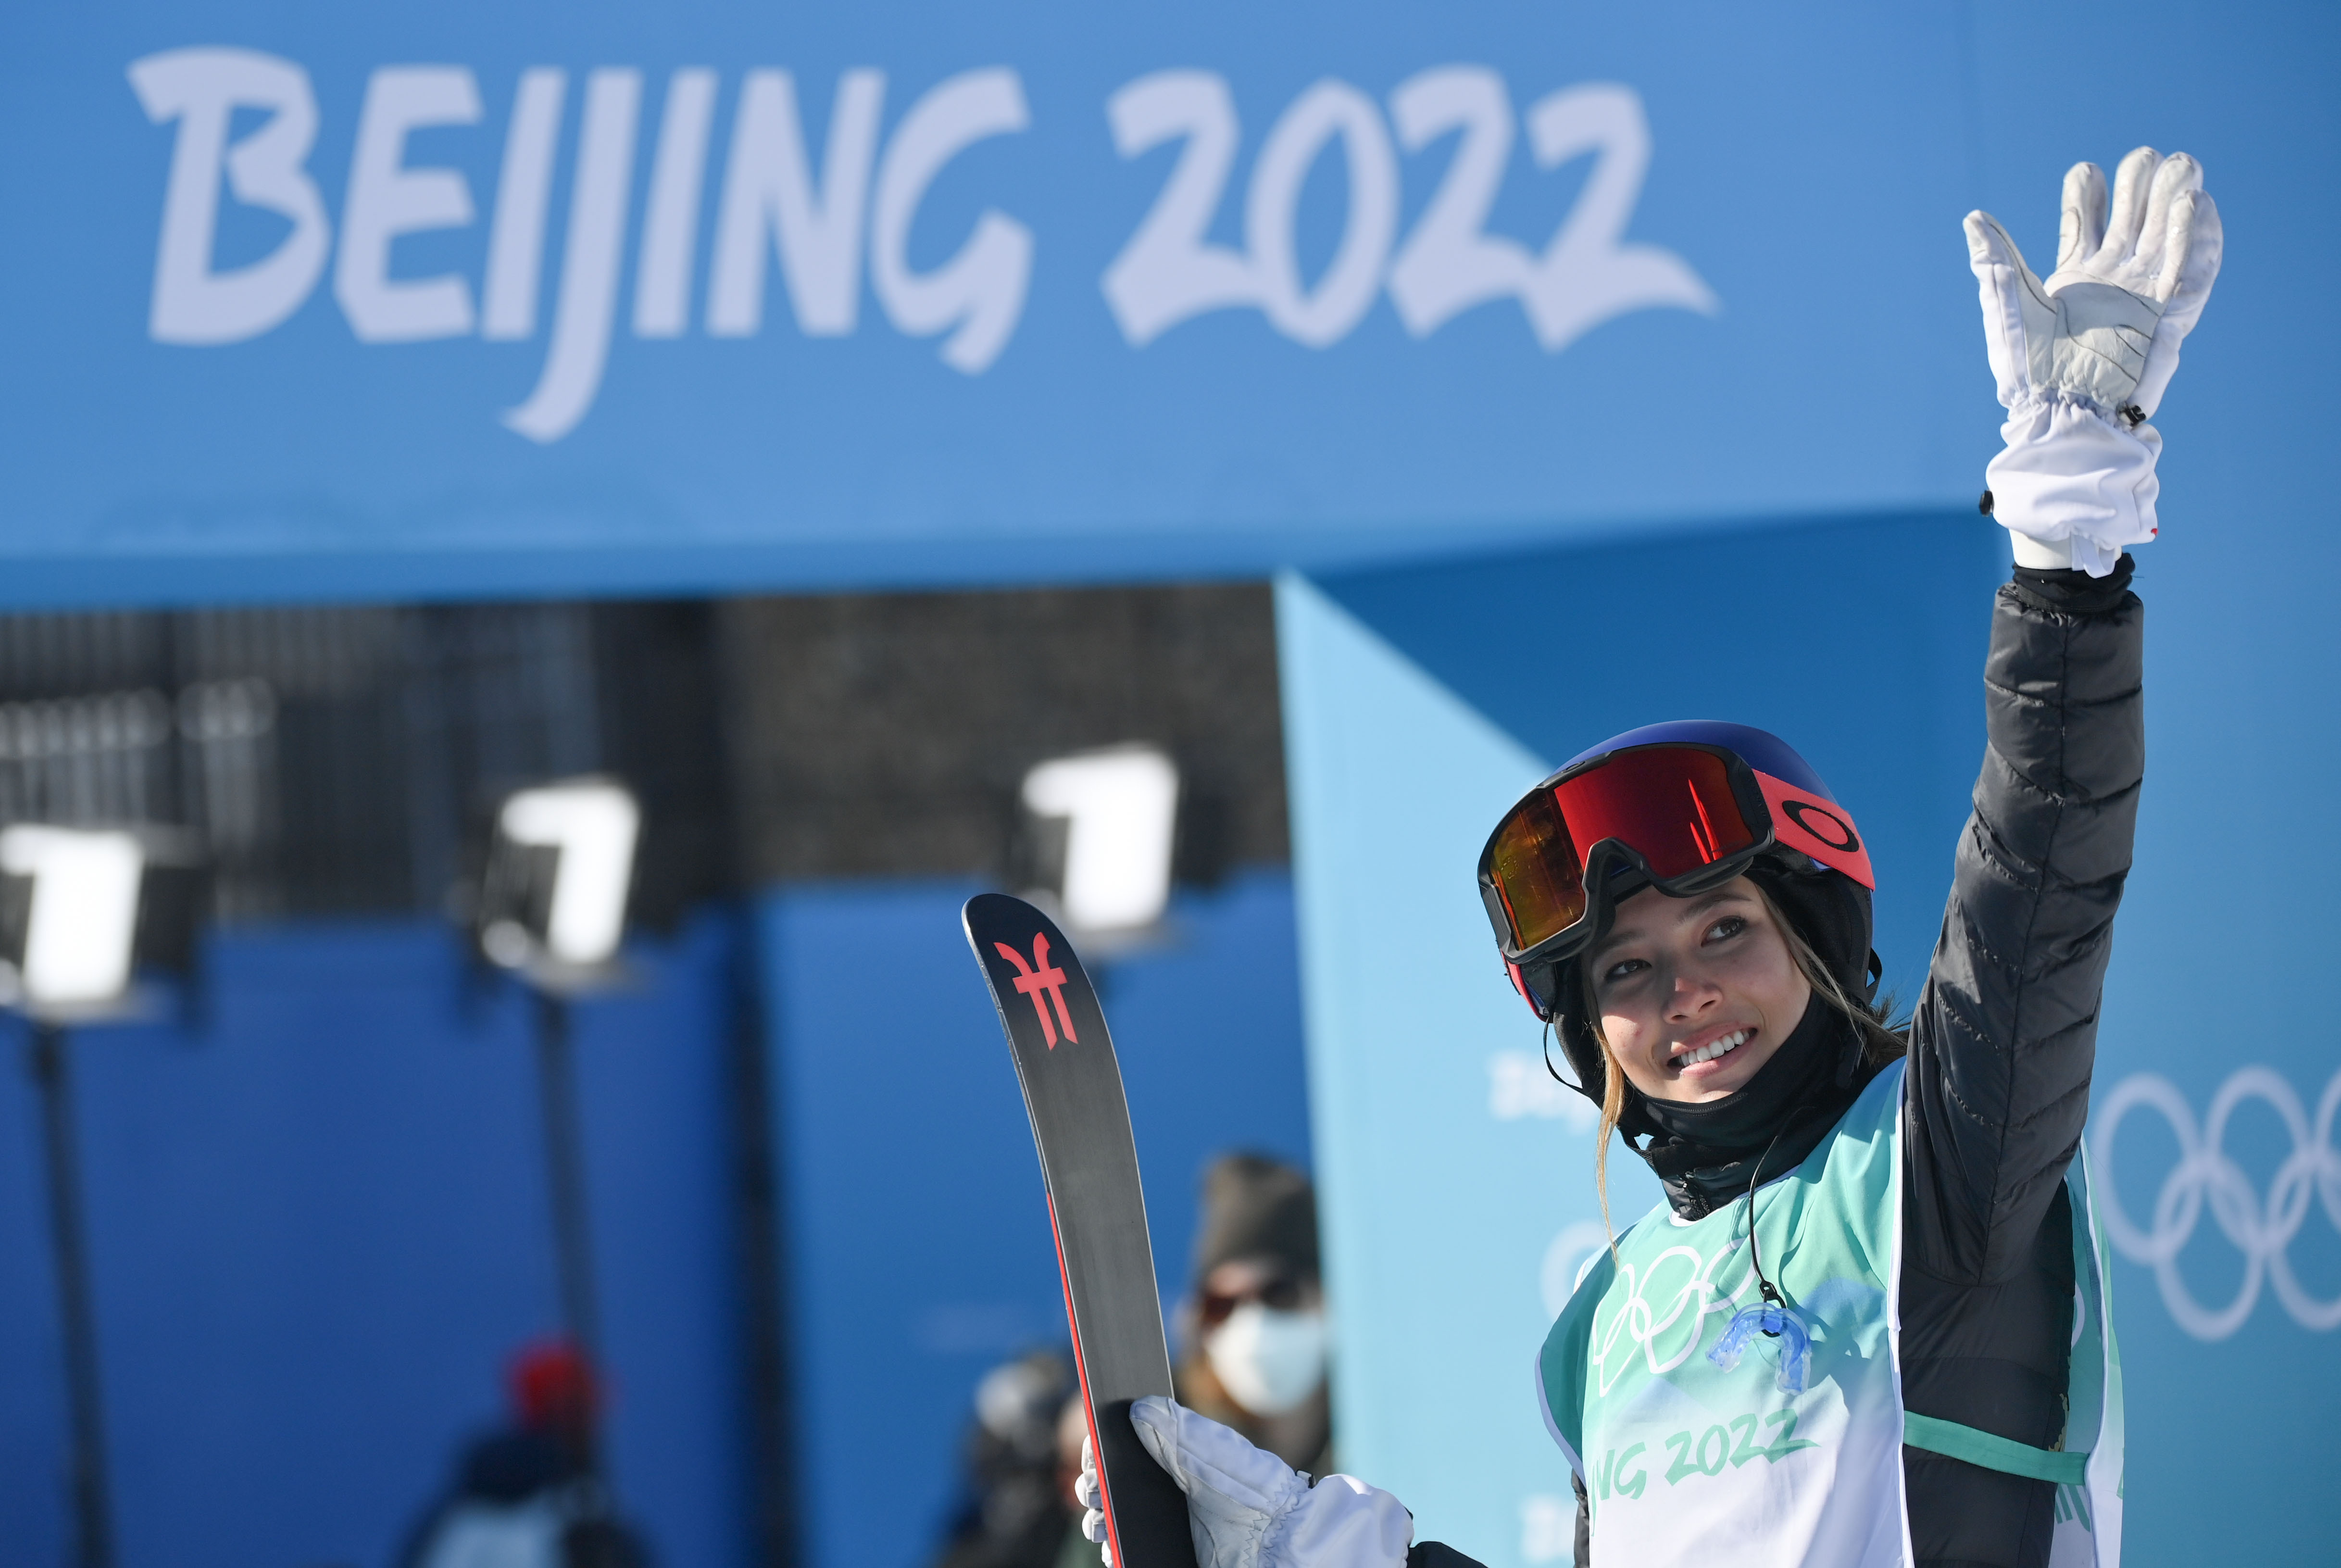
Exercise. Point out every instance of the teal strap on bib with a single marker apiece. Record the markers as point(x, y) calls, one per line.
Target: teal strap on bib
point(1993, 1452)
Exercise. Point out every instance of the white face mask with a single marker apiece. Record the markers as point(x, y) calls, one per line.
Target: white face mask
point(1269, 1362)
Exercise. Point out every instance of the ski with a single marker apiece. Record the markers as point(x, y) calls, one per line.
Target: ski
point(1089, 1167)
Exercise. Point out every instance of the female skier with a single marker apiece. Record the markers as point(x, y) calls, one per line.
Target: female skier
point(1867, 1325)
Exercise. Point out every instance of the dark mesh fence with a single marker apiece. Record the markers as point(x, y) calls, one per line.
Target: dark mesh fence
point(345, 760)
point(887, 734)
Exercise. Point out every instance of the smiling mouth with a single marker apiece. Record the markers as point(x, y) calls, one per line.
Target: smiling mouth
point(1722, 1046)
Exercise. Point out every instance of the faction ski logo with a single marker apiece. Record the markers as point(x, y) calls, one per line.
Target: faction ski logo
point(1036, 978)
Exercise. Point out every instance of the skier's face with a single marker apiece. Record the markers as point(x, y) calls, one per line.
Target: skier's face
point(1696, 994)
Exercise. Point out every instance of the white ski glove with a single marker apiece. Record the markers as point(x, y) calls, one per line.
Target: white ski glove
point(1248, 1509)
point(2082, 360)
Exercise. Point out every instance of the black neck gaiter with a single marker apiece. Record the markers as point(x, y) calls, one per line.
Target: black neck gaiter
point(1706, 1153)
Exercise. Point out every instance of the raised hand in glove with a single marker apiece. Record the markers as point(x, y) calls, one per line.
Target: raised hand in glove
point(2083, 359)
point(1248, 1509)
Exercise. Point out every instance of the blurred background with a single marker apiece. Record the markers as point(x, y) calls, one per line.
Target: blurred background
point(544, 552)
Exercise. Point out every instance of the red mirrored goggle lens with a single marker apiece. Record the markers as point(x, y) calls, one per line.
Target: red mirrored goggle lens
point(1673, 805)
point(1538, 872)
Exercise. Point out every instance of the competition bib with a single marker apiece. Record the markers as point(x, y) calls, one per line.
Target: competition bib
point(1766, 1460)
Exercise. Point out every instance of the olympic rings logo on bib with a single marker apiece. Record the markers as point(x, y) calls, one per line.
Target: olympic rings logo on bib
point(1649, 1331)
point(2206, 1178)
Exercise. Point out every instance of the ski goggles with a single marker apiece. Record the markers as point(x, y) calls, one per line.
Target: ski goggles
point(1680, 817)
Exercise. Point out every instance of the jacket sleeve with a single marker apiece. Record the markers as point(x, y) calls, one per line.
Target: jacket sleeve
point(2004, 1034)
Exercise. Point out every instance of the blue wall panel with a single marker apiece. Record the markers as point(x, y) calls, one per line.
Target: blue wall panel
point(318, 1228)
point(919, 1254)
point(1452, 1171)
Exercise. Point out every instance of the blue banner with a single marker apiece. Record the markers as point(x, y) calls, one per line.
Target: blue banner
point(441, 299)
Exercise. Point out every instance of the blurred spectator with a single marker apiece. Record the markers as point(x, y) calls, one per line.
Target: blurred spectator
point(1018, 1501)
point(1255, 1339)
point(530, 1495)
point(1255, 1328)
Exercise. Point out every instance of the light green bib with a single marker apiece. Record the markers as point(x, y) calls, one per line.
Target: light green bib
point(1681, 1457)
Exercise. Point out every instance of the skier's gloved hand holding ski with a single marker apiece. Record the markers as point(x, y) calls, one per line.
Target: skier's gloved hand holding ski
point(1248, 1509)
point(2082, 360)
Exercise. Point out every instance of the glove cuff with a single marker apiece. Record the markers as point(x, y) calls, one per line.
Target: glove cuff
point(2070, 475)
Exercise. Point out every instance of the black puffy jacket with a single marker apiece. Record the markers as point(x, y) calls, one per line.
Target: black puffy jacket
point(2002, 1042)
point(2001, 1047)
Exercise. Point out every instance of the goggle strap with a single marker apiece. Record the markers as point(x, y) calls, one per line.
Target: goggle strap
point(1803, 821)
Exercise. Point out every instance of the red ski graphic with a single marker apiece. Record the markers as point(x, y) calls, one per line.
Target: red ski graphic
point(1040, 975)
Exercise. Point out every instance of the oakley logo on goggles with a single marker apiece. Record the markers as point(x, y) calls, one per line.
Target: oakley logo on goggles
point(1686, 817)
